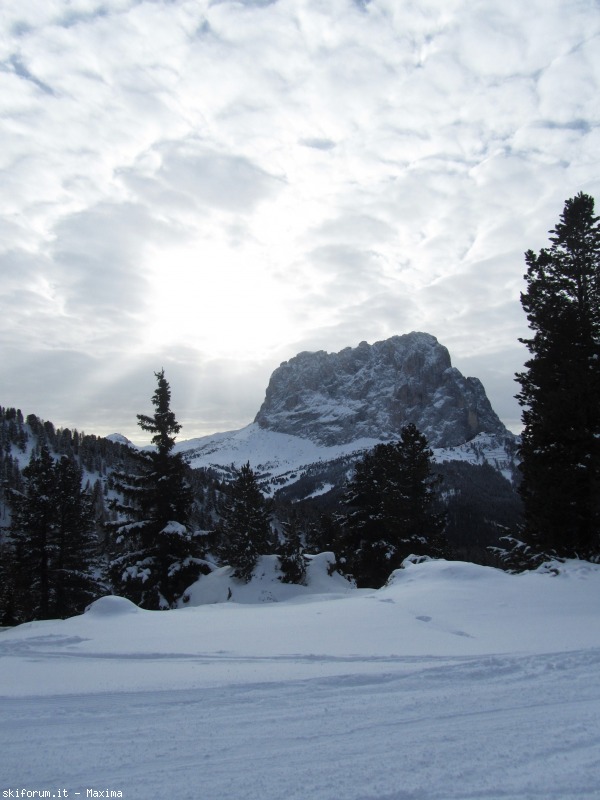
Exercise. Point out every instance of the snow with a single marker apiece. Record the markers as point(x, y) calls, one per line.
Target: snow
point(326, 487)
point(483, 448)
point(112, 606)
point(257, 445)
point(118, 438)
point(266, 585)
point(174, 527)
point(285, 456)
point(454, 681)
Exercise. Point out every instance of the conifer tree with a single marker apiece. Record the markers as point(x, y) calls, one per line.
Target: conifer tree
point(32, 535)
point(560, 388)
point(76, 543)
point(153, 549)
point(51, 547)
point(391, 502)
point(244, 531)
point(324, 533)
point(10, 596)
point(291, 552)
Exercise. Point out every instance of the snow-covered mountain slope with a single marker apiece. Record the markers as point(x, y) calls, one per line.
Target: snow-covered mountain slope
point(276, 457)
point(325, 409)
point(281, 459)
point(118, 438)
point(455, 681)
point(373, 391)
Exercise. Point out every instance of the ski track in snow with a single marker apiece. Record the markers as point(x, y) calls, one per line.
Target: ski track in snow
point(377, 700)
point(493, 727)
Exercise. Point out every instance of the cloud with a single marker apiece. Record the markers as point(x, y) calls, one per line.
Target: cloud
point(202, 177)
point(318, 144)
point(98, 250)
point(15, 66)
point(222, 184)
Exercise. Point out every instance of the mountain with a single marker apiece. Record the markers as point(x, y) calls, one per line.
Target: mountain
point(373, 391)
point(323, 410)
point(118, 438)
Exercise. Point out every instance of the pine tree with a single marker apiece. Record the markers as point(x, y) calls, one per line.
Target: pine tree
point(76, 544)
point(391, 501)
point(153, 549)
point(50, 554)
point(291, 552)
point(244, 532)
point(32, 536)
point(12, 587)
point(99, 512)
point(324, 534)
point(560, 388)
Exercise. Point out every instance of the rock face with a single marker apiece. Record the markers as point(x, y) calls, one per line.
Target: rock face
point(373, 391)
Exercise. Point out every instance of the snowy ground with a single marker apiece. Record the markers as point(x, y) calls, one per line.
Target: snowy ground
point(282, 456)
point(456, 681)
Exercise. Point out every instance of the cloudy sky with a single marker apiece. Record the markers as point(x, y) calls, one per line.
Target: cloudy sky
point(212, 187)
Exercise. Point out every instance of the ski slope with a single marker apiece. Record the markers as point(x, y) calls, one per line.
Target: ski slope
point(454, 681)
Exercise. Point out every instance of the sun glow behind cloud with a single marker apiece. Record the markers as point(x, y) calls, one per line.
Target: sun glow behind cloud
point(216, 299)
point(216, 186)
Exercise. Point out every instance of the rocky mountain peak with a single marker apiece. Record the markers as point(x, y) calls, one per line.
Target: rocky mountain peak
point(373, 391)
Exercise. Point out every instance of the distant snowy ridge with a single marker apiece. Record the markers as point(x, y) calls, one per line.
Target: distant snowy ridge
point(280, 458)
point(322, 408)
point(118, 438)
point(272, 455)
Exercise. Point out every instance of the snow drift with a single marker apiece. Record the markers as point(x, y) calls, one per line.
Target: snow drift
point(453, 681)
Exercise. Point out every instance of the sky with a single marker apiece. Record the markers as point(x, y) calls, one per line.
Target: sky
point(213, 187)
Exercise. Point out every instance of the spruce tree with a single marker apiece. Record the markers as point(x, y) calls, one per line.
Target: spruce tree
point(244, 532)
point(51, 548)
point(75, 567)
point(32, 536)
point(153, 549)
point(391, 502)
point(560, 388)
point(10, 595)
point(291, 551)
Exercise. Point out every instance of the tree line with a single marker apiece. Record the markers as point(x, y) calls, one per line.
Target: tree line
point(138, 533)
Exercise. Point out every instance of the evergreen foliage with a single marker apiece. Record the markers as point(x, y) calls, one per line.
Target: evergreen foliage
point(391, 502)
point(291, 551)
point(76, 542)
point(515, 555)
point(560, 388)
point(49, 553)
point(115, 478)
point(482, 507)
point(324, 530)
point(244, 532)
point(153, 550)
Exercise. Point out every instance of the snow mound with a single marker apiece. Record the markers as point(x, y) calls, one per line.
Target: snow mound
point(439, 570)
point(266, 584)
point(322, 578)
point(570, 568)
point(111, 606)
